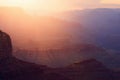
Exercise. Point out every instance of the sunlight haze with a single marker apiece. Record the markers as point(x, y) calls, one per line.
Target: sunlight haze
point(53, 6)
point(38, 6)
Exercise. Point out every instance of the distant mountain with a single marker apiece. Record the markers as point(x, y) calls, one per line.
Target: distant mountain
point(102, 23)
point(98, 26)
point(30, 29)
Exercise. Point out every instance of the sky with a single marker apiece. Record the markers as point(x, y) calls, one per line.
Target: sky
point(60, 5)
point(73, 3)
point(96, 4)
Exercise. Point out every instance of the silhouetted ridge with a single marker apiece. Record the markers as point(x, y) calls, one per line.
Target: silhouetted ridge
point(86, 70)
point(90, 65)
point(88, 62)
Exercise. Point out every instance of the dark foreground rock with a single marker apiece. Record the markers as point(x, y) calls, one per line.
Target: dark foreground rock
point(87, 70)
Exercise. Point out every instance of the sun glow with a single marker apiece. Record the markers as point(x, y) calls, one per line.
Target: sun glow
point(27, 5)
point(38, 6)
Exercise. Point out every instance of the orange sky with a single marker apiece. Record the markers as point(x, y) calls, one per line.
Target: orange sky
point(48, 6)
point(110, 1)
point(38, 6)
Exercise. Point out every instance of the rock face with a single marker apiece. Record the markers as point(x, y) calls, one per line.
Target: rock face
point(5, 45)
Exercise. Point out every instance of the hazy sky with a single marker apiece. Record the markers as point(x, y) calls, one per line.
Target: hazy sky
point(60, 5)
point(73, 3)
point(96, 3)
